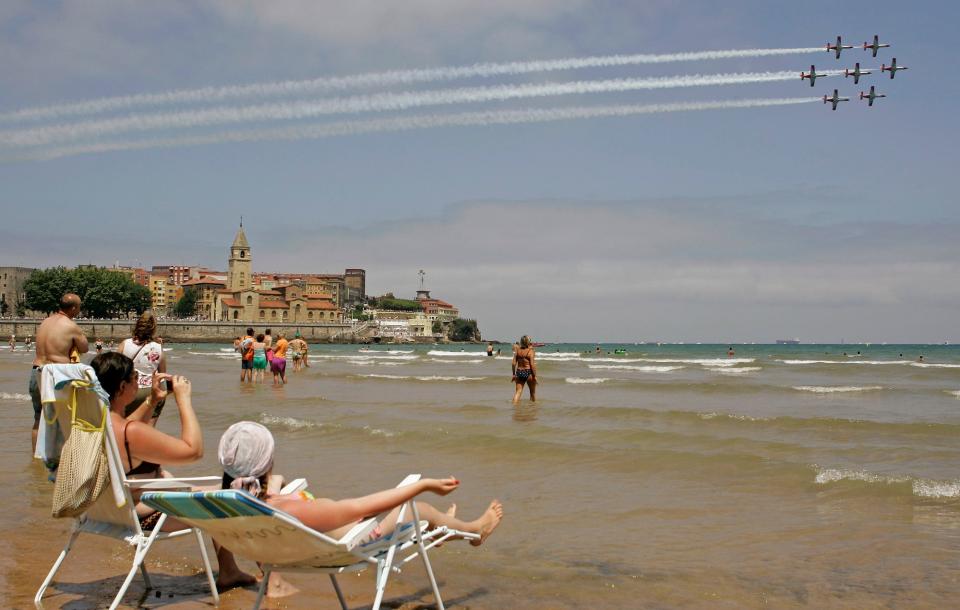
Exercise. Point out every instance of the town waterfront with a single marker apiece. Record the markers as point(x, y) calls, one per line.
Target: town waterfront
point(668, 476)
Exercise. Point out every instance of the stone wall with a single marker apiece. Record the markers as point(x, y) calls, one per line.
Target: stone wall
point(192, 332)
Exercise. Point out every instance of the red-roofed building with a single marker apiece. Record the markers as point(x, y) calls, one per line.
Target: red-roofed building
point(271, 297)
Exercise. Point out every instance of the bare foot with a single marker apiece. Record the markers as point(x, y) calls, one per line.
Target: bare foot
point(232, 579)
point(489, 521)
point(452, 511)
point(278, 587)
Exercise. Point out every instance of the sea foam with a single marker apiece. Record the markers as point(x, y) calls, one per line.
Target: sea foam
point(834, 389)
point(9, 396)
point(587, 379)
point(627, 367)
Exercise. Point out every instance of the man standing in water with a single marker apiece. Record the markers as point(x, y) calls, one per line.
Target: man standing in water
point(57, 337)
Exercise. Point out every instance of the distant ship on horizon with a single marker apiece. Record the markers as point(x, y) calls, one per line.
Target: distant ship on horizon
point(788, 341)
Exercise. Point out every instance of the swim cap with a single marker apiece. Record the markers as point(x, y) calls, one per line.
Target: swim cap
point(246, 454)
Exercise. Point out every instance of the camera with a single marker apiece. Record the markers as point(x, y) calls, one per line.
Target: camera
point(170, 384)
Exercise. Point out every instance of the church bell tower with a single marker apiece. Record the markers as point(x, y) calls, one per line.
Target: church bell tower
point(239, 274)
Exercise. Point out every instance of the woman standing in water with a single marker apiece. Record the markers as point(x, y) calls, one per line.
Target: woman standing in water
point(524, 370)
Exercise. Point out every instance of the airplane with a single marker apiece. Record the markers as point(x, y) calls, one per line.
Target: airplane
point(836, 99)
point(876, 46)
point(813, 76)
point(856, 73)
point(838, 47)
point(892, 69)
point(871, 96)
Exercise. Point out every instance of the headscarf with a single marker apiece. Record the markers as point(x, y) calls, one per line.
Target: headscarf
point(246, 454)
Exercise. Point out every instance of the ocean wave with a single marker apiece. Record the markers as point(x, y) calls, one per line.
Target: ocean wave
point(444, 353)
point(287, 422)
point(369, 356)
point(833, 475)
point(627, 367)
point(587, 379)
point(926, 488)
point(446, 361)
point(935, 365)
point(379, 432)
point(920, 487)
point(875, 362)
point(9, 396)
point(733, 416)
point(833, 389)
point(374, 363)
point(226, 349)
point(385, 351)
point(422, 377)
point(735, 370)
point(953, 393)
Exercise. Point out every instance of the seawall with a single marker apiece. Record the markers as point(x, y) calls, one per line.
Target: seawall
point(177, 331)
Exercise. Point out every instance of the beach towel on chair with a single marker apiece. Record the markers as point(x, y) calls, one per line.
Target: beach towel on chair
point(84, 472)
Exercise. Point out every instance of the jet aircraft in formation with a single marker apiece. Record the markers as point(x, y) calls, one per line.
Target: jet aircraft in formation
point(856, 72)
point(892, 68)
point(838, 47)
point(876, 46)
point(871, 96)
point(812, 75)
point(835, 99)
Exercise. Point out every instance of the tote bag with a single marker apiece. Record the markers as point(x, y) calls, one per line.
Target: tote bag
point(84, 472)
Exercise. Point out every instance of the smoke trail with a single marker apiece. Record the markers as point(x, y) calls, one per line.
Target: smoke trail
point(377, 79)
point(366, 103)
point(347, 128)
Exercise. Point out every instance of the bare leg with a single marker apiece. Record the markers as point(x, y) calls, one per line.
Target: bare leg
point(518, 393)
point(230, 574)
point(532, 384)
point(483, 525)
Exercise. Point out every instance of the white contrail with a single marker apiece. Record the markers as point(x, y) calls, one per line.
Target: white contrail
point(365, 103)
point(376, 79)
point(346, 128)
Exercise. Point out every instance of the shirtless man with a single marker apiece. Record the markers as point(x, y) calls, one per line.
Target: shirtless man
point(57, 337)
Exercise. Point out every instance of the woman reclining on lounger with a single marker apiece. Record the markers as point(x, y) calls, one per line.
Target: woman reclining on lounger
point(246, 454)
point(143, 448)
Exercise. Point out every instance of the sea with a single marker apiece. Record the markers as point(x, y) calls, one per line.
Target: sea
point(644, 476)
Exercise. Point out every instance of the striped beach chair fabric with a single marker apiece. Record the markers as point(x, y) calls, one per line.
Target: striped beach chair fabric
point(281, 543)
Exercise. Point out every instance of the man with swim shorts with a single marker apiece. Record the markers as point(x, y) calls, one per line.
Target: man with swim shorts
point(57, 337)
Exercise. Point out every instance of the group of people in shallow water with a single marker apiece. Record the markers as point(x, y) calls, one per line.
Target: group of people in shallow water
point(138, 385)
point(259, 351)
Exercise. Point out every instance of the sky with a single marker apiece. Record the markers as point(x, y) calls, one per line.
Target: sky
point(592, 203)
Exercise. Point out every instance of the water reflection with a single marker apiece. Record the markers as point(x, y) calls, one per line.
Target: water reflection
point(525, 411)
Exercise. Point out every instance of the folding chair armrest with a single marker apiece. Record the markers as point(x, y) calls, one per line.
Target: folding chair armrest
point(410, 480)
point(293, 487)
point(177, 483)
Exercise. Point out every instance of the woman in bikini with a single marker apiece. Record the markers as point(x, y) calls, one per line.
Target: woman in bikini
point(246, 454)
point(143, 448)
point(524, 369)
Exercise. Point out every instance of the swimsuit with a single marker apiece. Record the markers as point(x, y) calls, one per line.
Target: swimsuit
point(523, 374)
point(259, 359)
point(147, 522)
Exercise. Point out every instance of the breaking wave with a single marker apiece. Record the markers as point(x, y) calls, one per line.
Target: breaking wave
point(9, 396)
point(627, 367)
point(817, 389)
point(586, 379)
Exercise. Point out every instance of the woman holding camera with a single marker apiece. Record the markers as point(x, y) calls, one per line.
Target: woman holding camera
point(144, 450)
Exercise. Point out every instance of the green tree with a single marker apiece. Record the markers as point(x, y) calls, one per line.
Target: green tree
point(464, 330)
point(44, 288)
point(104, 293)
point(187, 305)
point(436, 327)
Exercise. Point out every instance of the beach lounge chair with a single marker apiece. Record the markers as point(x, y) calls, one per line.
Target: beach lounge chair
point(281, 543)
point(113, 514)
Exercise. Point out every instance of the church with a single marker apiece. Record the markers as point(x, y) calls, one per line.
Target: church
point(265, 298)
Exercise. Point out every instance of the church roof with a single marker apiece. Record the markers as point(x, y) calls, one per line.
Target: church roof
point(240, 241)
